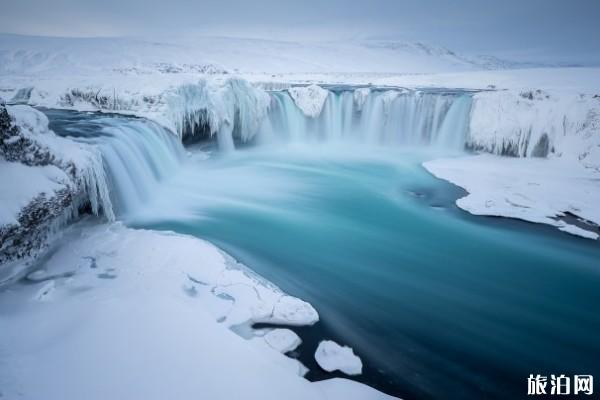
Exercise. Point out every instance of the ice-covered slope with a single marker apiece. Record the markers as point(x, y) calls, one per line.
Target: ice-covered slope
point(37, 55)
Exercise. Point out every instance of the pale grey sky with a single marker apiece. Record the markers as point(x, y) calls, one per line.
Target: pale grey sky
point(545, 30)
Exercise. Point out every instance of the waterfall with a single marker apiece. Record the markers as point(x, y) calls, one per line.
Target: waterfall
point(137, 154)
point(386, 117)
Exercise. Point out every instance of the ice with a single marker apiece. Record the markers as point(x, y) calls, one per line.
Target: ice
point(282, 340)
point(360, 97)
point(310, 99)
point(83, 163)
point(536, 123)
point(331, 356)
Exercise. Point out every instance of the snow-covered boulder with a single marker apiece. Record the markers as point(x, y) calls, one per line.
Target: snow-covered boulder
point(331, 356)
point(309, 99)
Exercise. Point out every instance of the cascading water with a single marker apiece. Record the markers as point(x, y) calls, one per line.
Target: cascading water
point(389, 117)
point(137, 154)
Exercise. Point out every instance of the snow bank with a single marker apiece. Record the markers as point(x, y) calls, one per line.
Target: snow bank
point(534, 190)
point(141, 314)
point(46, 180)
point(83, 163)
point(309, 99)
point(21, 184)
point(536, 123)
point(331, 356)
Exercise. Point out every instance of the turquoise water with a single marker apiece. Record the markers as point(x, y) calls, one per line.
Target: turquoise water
point(437, 303)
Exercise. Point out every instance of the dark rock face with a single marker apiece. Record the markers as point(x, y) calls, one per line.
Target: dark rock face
point(37, 220)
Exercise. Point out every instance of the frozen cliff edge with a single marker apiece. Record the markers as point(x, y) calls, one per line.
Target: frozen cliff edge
point(226, 107)
point(535, 123)
point(552, 170)
point(163, 305)
point(46, 180)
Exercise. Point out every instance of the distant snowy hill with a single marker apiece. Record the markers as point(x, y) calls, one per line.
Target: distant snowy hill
point(23, 55)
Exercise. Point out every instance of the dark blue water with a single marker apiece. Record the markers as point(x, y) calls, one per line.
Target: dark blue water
point(438, 304)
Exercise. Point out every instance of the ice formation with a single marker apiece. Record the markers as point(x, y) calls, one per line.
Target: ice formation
point(331, 356)
point(309, 99)
point(231, 109)
point(536, 123)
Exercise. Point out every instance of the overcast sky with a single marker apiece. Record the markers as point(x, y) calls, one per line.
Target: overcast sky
point(546, 30)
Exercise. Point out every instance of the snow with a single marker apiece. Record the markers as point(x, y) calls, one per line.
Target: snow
point(331, 356)
point(21, 184)
point(340, 388)
point(89, 172)
point(360, 96)
point(537, 123)
point(39, 55)
point(141, 314)
point(531, 189)
point(309, 99)
point(282, 340)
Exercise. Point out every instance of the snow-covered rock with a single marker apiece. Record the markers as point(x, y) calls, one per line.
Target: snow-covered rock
point(331, 356)
point(310, 99)
point(360, 96)
point(282, 340)
point(139, 314)
point(45, 180)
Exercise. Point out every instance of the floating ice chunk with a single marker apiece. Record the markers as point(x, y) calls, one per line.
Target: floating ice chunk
point(282, 340)
point(331, 356)
point(309, 99)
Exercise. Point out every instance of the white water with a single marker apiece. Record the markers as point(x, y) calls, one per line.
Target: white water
point(137, 155)
point(389, 117)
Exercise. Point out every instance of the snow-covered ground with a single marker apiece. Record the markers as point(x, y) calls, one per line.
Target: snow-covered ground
point(531, 189)
point(140, 314)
